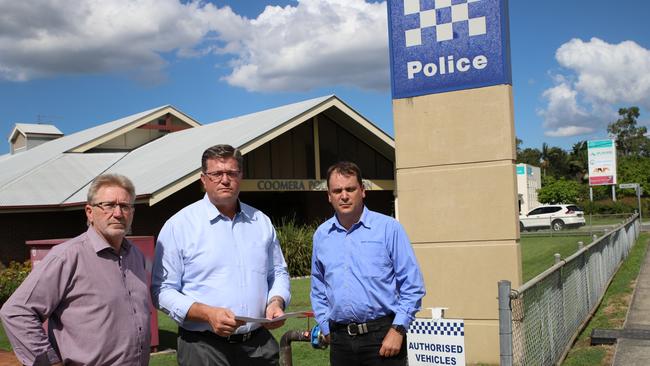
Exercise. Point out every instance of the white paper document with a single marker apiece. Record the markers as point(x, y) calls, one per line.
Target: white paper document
point(295, 314)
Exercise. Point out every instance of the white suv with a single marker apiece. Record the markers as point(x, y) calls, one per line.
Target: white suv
point(555, 217)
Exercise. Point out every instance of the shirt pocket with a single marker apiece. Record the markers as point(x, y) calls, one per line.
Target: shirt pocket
point(373, 259)
point(258, 257)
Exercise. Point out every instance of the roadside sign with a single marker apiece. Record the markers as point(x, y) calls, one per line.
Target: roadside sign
point(433, 342)
point(444, 45)
point(602, 162)
point(628, 185)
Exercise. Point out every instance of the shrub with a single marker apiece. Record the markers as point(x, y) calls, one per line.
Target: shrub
point(296, 243)
point(608, 207)
point(11, 277)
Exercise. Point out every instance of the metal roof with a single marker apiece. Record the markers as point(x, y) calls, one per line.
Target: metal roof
point(55, 182)
point(36, 128)
point(17, 165)
point(162, 162)
point(158, 168)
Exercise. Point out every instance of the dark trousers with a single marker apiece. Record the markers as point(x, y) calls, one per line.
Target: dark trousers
point(208, 349)
point(363, 349)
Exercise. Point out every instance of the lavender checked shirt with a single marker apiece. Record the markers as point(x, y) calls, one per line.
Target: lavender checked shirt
point(96, 303)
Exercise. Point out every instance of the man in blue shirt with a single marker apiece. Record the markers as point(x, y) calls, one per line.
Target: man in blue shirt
point(366, 284)
point(216, 259)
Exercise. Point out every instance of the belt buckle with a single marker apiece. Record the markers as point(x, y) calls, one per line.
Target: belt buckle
point(353, 329)
point(239, 338)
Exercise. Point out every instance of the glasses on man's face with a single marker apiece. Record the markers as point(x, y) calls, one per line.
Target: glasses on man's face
point(218, 175)
point(110, 207)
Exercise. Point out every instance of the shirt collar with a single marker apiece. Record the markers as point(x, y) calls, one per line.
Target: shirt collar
point(213, 213)
point(99, 244)
point(363, 221)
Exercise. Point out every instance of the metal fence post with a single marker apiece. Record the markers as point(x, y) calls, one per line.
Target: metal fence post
point(505, 323)
point(557, 258)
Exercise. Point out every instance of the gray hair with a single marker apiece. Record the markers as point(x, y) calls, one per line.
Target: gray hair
point(113, 180)
point(221, 151)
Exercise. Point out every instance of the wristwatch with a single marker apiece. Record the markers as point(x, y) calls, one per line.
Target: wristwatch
point(399, 328)
point(279, 300)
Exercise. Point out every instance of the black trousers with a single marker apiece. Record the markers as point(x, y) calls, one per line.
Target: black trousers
point(202, 349)
point(363, 349)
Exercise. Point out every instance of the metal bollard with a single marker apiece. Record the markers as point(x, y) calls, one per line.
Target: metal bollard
point(505, 324)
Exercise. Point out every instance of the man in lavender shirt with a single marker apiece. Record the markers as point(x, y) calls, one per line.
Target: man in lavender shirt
point(92, 290)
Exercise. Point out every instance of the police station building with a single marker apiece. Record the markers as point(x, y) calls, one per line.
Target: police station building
point(287, 151)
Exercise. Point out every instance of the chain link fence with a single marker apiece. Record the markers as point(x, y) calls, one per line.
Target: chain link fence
point(539, 321)
point(593, 225)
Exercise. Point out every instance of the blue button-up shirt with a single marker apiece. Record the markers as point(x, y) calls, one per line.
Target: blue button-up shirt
point(364, 273)
point(204, 256)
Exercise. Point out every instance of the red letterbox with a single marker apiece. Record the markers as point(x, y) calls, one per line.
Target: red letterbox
point(39, 248)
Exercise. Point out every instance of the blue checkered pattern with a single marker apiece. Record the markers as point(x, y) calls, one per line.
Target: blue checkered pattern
point(440, 19)
point(442, 327)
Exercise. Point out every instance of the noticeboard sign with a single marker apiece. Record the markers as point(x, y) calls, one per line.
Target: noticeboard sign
point(436, 342)
point(602, 162)
point(445, 45)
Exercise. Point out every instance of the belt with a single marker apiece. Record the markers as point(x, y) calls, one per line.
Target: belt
point(234, 338)
point(354, 329)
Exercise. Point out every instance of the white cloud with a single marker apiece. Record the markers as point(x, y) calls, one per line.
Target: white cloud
point(569, 131)
point(52, 37)
point(598, 79)
point(312, 44)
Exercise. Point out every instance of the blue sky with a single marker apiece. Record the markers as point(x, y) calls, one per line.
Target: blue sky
point(77, 64)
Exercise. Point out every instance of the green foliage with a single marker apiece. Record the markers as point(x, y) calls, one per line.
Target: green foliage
point(561, 191)
point(622, 206)
point(11, 277)
point(633, 169)
point(630, 139)
point(529, 156)
point(296, 243)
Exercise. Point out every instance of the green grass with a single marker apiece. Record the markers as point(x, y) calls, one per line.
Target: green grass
point(537, 252)
point(4, 342)
point(612, 310)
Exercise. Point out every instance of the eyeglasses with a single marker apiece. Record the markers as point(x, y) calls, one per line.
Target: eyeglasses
point(110, 206)
point(218, 175)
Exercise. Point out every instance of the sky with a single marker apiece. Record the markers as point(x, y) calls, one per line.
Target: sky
point(77, 64)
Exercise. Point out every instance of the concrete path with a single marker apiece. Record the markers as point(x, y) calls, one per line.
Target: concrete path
point(634, 352)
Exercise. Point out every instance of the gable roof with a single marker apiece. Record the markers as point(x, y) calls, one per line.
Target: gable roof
point(167, 164)
point(15, 166)
point(34, 128)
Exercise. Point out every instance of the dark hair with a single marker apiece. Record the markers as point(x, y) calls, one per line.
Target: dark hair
point(110, 180)
point(221, 152)
point(346, 168)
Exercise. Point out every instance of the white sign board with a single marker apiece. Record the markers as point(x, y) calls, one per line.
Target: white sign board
point(432, 342)
point(627, 185)
point(602, 162)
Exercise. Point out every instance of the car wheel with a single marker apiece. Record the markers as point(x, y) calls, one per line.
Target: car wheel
point(557, 225)
point(521, 227)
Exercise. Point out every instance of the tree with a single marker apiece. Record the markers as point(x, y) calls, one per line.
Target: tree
point(577, 162)
point(561, 191)
point(634, 169)
point(630, 139)
point(544, 160)
point(529, 156)
point(557, 162)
